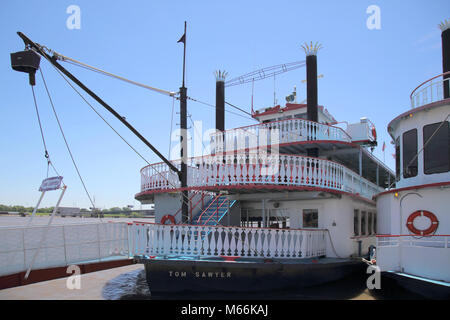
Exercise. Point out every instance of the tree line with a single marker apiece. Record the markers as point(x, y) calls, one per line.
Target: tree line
point(23, 209)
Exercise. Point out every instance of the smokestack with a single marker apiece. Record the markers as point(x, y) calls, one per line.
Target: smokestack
point(311, 87)
point(445, 28)
point(220, 99)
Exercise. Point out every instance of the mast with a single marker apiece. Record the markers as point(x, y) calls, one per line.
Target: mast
point(183, 137)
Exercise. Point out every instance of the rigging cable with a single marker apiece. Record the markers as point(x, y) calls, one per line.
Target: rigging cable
point(65, 140)
point(86, 66)
point(185, 200)
point(47, 156)
point(210, 105)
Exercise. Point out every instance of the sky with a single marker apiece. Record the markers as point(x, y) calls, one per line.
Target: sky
point(368, 72)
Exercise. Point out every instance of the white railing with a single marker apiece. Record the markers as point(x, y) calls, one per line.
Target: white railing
point(240, 169)
point(211, 241)
point(430, 91)
point(427, 257)
point(64, 245)
point(435, 241)
point(282, 131)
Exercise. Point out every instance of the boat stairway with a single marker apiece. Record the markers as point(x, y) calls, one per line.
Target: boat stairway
point(215, 211)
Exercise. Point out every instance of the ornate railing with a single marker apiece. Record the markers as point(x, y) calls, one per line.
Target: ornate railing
point(241, 170)
point(276, 132)
point(432, 90)
point(210, 241)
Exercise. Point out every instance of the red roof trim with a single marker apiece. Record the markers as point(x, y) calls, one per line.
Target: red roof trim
point(415, 110)
point(420, 186)
point(289, 106)
point(255, 186)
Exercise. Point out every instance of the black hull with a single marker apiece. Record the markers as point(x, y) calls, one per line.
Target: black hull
point(220, 276)
point(427, 289)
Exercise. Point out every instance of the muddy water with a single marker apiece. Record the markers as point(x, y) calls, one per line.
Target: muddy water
point(133, 286)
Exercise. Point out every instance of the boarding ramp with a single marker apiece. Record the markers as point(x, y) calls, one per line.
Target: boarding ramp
point(63, 245)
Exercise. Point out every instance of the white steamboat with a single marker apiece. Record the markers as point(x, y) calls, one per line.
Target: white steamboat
point(297, 213)
point(413, 244)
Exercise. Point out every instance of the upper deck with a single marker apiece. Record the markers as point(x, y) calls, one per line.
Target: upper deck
point(253, 173)
point(422, 135)
point(272, 156)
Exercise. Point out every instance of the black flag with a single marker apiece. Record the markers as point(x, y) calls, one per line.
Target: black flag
point(182, 39)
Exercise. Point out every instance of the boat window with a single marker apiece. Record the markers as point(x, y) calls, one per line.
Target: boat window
point(369, 223)
point(363, 223)
point(356, 222)
point(410, 153)
point(397, 159)
point(310, 218)
point(436, 151)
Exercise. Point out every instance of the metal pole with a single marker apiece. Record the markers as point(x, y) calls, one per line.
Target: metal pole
point(35, 209)
point(183, 140)
point(44, 235)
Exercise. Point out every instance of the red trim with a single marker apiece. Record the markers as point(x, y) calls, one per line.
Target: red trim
point(169, 217)
point(289, 107)
point(361, 141)
point(408, 235)
point(255, 186)
point(18, 279)
point(365, 236)
point(240, 227)
point(421, 186)
point(276, 109)
point(421, 108)
point(230, 258)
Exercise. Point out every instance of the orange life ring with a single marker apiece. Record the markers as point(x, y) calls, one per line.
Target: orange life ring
point(431, 229)
point(169, 217)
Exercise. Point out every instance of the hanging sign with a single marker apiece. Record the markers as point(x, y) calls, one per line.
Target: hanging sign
point(50, 184)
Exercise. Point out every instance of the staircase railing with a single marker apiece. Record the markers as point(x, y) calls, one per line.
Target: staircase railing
point(212, 202)
point(216, 212)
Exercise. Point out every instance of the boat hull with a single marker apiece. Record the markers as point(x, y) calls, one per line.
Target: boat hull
point(427, 288)
point(243, 276)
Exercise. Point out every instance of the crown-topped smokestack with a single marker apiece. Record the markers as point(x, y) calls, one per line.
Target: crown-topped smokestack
point(311, 87)
point(311, 79)
point(445, 28)
point(220, 99)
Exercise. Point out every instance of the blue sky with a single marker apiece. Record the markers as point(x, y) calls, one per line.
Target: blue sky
point(366, 73)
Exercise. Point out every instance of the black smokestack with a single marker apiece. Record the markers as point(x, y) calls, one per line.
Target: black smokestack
point(220, 100)
point(311, 88)
point(445, 27)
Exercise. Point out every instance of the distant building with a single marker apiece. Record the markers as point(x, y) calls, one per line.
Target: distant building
point(68, 211)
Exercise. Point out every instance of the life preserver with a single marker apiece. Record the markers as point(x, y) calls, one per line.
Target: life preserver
point(431, 229)
point(374, 133)
point(169, 217)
